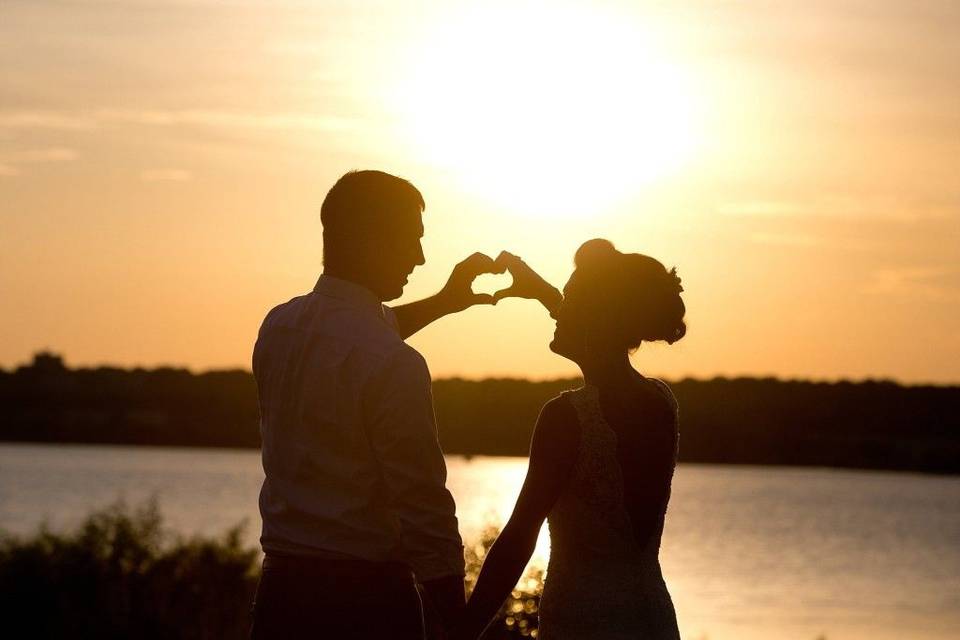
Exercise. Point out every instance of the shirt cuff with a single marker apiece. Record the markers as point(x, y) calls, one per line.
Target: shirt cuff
point(451, 563)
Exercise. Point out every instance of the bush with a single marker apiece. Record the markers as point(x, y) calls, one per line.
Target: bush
point(121, 574)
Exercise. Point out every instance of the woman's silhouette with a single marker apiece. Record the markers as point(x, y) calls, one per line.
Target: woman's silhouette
point(601, 459)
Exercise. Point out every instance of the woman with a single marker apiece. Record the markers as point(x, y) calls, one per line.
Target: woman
point(601, 459)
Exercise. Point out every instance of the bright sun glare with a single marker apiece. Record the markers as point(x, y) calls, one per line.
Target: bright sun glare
point(546, 110)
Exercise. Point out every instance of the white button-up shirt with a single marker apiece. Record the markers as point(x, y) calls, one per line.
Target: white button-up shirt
point(350, 450)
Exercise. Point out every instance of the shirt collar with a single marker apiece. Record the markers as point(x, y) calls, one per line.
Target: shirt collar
point(350, 292)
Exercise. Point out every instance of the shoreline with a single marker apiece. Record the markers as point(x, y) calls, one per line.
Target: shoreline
point(469, 456)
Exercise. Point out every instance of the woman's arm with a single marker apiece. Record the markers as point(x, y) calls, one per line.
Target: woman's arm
point(553, 452)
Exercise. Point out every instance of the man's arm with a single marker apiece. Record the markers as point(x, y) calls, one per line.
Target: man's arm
point(403, 436)
point(455, 296)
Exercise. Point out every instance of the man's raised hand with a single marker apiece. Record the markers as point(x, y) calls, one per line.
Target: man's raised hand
point(458, 293)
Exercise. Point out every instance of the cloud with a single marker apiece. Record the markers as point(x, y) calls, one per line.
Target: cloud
point(296, 47)
point(99, 118)
point(36, 156)
point(228, 119)
point(787, 239)
point(762, 209)
point(931, 283)
point(39, 119)
point(809, 240)
point(11, 163)
point(867, 206)
point(165, 175)
point(166, 3)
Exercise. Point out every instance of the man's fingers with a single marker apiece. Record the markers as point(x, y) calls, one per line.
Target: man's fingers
point(478, 263)
point(509, 292)
point(483, 298)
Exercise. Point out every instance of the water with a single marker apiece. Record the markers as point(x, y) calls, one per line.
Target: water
point(748, 552)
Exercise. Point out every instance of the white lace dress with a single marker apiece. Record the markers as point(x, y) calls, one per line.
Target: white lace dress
point(601, 583)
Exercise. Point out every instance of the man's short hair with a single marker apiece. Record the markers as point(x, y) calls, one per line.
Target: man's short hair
point(364, 205)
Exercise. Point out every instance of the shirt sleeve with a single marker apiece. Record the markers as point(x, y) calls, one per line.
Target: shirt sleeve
point(403, 434)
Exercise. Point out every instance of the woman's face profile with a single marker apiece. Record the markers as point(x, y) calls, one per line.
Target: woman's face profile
point(568, 337)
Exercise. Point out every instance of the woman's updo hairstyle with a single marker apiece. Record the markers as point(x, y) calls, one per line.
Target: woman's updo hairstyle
point(632, 296)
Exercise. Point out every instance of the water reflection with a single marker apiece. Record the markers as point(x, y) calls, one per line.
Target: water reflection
point(748, 552)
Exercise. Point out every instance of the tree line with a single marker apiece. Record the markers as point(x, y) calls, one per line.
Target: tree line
point(871, 424)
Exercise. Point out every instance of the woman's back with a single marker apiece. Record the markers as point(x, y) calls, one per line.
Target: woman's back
point(603, 579)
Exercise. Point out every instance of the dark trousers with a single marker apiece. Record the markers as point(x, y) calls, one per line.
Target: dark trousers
point(350, 599)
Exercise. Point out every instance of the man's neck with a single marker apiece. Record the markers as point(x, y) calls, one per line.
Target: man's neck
point(349, 276)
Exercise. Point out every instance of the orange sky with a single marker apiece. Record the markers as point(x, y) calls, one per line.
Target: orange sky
point(162, 165)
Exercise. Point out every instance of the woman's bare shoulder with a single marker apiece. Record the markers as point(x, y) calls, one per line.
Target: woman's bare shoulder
point(557, 433)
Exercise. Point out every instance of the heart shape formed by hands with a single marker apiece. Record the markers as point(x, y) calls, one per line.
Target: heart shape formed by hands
point(524, 282)
point(492, 282)
point(527, 283)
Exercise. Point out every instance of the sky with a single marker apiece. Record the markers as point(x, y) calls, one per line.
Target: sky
point(162, 166)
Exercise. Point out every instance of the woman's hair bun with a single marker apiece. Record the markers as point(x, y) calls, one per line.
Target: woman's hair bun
point(594, 251)
point(633, 295)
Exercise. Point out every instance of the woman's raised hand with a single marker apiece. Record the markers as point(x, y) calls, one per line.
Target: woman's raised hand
point(527, 283)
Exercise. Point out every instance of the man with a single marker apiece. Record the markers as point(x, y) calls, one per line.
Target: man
point(354, 507)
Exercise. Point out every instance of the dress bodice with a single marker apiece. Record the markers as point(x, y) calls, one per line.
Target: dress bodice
point(603, 581)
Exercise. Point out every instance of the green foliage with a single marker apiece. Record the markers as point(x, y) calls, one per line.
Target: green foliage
point(120, 574)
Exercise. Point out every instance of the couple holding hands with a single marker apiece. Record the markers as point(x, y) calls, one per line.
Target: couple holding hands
point(359, 531)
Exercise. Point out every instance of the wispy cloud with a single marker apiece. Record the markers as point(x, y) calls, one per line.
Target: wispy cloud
point(787, 239)
point(798, 240)
point(931, 283)
point(96, 119)
point(41, 119)
point(762, 208)
point(229, 119)
point(165, 3)
point(36, 156)
point(296, 47)
point(889, 207)
point(165, 175)
point(11, 162)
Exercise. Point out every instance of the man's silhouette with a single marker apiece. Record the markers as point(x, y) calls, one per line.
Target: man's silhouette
point(354, 507)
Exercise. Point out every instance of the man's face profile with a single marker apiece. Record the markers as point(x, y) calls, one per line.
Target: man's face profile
point(398, 253)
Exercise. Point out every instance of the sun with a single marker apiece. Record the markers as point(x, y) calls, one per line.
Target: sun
point(554, 110)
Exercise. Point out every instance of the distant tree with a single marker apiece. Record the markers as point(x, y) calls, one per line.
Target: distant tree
point(871, 424)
